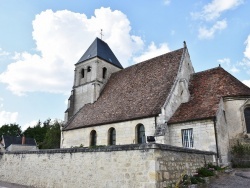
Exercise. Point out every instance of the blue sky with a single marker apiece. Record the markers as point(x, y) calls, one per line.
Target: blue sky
point(42, 40)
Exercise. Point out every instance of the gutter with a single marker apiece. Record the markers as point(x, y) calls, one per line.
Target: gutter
point(216, 139)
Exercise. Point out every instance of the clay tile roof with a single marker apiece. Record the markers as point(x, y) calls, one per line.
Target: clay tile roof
point(132, 93)
point(206, 89)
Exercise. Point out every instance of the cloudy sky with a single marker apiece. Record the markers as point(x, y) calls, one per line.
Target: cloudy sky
point(42, 40)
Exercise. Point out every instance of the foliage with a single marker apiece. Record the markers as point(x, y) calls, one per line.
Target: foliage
point(240, 155)
point(46, 134)
point(205, 172)
point(52, 137)
point(10, 130)
point(37, 132)
point(215, 167)
point(241, 149)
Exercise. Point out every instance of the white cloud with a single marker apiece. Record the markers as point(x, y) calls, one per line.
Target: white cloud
point(246, 82)
point(214, 9)
point(247, 50)
point(29, 124)
point(61, 39)
point(7, 117)
point(208, 33)
point(234, 69)
point(226, 61)
point(245, 62)
point(167, 2)
point(3, 53)
point(152, 51)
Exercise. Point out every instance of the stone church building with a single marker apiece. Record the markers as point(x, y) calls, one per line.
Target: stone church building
point(161, 99)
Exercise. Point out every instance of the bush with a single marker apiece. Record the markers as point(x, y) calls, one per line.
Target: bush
point(205, 172)
point(215, 167)
point(241, 149)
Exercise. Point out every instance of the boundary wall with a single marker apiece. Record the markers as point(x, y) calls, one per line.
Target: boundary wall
point(124, 166)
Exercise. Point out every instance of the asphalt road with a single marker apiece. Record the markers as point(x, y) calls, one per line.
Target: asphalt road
point(11, 185)
point(238, 178)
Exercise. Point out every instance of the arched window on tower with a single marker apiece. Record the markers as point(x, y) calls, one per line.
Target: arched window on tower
point(247, 118)
point(82, 73)
point(104, 72)
point(93, 138)
point(140, 134)
point(111, 136)
point(88, 68)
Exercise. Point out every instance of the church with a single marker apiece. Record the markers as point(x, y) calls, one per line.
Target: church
point(161, 100)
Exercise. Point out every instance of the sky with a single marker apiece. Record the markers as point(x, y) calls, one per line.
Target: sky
point(40, 41)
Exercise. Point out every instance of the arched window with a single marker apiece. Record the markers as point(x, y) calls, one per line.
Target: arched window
point(104, 72)
point(247, 118)
point(112, 136)
point(88, 69)
point(82, 73)
point(140, 131)
point(93, 138)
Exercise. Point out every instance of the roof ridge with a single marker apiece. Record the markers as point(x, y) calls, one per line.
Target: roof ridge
point(207, 70)
point(145, 61)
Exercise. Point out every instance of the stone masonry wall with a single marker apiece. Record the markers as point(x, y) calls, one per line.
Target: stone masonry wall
point(146, 165)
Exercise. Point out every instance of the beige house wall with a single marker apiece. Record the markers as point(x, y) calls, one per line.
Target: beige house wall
point(203, 134)
point(125, 133)
point(234, 108)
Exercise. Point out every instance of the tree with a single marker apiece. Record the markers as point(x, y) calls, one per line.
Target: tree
point(38, 132)
point(10, 130)
point(53, 137)
point(46, 134)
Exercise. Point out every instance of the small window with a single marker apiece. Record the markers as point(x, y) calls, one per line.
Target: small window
point(247, 118)
point(82, 73)
point(187, 138)
point(88, 69)
point(141, 138)
point(104, 72)
point(93, 138)
point(112, 136)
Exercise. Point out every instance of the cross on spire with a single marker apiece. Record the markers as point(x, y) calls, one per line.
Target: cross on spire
point(101, 34)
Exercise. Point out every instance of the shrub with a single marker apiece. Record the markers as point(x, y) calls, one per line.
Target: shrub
point(205, 172)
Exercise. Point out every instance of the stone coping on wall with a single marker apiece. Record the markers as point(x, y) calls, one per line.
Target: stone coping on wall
point(147, 146)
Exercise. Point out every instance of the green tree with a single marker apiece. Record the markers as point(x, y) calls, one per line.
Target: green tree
point(52, 137)
point(38, 132)
point(10, 130)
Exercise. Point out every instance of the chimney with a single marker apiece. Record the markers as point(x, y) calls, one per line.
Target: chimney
point(23, 140)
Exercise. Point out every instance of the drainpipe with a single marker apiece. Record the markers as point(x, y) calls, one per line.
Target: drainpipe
point(216, 139)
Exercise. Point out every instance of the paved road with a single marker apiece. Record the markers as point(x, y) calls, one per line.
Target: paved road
point(239, 178)
point(11, 185)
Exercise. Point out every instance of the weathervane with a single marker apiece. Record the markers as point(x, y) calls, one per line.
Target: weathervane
point(101, 34)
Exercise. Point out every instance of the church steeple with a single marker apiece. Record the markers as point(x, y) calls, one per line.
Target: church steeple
point(100, 49)
point(92, 72)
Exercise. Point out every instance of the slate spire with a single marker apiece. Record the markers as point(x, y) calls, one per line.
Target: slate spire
point(100, 49)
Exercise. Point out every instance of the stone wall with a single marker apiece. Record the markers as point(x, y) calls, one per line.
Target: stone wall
point(146, 165)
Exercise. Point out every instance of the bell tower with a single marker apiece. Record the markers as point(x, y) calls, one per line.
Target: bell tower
point(91, 74)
